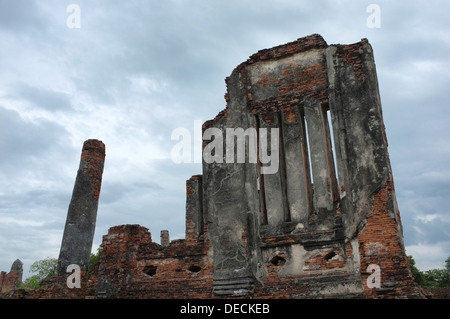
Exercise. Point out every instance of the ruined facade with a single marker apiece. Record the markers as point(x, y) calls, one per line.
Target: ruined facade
point(315, 227)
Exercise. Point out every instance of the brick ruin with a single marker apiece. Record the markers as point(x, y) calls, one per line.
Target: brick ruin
point(10, 281)
point(313, 229)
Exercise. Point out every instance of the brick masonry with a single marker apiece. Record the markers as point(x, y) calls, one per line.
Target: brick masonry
point(9, 281)
point(82, 213)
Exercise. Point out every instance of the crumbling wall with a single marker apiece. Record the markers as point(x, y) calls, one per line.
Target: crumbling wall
point(132, 266)
point(303, 229)
point(10, 281)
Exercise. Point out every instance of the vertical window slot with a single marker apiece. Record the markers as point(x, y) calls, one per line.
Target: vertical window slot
point(282, 169)
point(306, 153)
point(261, 190)
point(329, 144)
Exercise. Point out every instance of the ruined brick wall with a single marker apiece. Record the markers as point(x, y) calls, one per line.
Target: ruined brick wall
point(381, 243)
point(311, 228)
point(10, 281)
point(132, 266)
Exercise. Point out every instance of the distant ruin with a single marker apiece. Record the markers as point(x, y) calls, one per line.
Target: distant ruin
point(324, 225)
point(10, 281)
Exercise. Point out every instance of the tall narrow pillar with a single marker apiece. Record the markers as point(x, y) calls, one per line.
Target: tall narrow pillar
point(165, 238)
point(80, 223)
point(194, 208)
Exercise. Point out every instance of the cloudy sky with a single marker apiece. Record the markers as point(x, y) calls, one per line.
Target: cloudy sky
point(130, 72)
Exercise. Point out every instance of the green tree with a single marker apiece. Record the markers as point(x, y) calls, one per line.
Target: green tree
point(438, 277)
point(432, 277)
point(42, 269)
point(446, 276)
point(94, 260)
point(417, 274)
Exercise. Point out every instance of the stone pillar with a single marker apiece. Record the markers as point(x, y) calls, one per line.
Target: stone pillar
point(165, 238)
point(82, 214)
point(194, 209)
point(231, 204)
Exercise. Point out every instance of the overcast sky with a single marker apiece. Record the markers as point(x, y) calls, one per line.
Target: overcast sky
point(132, 72)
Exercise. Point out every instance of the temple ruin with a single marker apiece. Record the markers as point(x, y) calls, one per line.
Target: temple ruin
point(324, 225)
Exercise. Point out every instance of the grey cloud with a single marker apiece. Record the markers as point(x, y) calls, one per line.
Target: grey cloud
point(21, 16)
point(115, 191)
point(433, 231)
point(24, 141)
point(43, 98)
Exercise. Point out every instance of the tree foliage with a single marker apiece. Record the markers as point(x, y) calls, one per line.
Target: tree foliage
point(433, 277)
point(48, 267)
point(94, 260)
point(42, 269)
